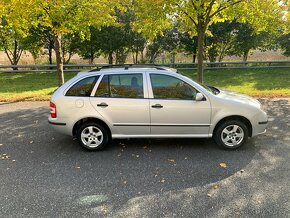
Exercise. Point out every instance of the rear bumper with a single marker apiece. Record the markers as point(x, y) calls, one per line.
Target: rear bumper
point(56, 123)
point(60, 126)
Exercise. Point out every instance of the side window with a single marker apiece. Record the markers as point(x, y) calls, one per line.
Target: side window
point(103, 88)
point(168, 87)
point(121, 86)
point(83, 87)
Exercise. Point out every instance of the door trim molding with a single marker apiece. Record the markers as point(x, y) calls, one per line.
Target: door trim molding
point(165, 125)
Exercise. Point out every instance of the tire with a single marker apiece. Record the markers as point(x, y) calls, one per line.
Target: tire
point(231, 134)
point(93, 136)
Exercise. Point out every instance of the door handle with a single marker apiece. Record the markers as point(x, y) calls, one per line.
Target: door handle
point(157, 106)
point(102, 105)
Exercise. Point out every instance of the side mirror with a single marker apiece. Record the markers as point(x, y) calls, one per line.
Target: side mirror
point(199, 96)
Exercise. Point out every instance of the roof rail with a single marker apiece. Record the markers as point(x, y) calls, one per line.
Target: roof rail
point(127, 66)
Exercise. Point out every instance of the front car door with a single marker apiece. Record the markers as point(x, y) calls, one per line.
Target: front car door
point(174, 110)
point(122, 100)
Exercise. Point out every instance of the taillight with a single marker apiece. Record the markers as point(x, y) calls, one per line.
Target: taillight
point(52, 110)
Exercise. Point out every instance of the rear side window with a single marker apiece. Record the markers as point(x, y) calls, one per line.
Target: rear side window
point(83, 87)
point(121, 86)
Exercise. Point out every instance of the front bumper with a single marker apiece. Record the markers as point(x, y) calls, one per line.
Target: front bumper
point(260, 128)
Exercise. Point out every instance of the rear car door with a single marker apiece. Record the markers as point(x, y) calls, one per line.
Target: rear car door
point(174, 110)
point(122, 101)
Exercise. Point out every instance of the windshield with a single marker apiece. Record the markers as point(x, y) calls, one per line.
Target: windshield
point(212, 89)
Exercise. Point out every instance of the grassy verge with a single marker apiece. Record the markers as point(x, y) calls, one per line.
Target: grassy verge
point(28, 86)
point(254, 82)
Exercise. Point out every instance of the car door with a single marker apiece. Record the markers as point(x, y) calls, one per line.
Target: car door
point(173, 108)
point(120, 99)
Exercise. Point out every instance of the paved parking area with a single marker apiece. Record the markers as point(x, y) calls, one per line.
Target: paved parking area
point(43, 173)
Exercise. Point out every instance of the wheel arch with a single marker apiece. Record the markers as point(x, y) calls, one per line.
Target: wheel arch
point(90, 119)
point(236, 117)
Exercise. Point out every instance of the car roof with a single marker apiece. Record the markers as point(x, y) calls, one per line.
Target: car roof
point(129, 70)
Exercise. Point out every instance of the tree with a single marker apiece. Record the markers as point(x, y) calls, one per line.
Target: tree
point(194, 17)
point(189, 45)
point(72, 17)
point(168, 41)
point(284, 42)
point(220, 41)
point(90, 47)
point(15, 22)
point(10, 42)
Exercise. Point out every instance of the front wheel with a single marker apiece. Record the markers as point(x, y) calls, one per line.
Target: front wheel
point(92, 136)
point(231, 134)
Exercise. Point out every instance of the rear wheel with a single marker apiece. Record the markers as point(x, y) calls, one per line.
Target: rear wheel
point(92, 136)
point(231, 134)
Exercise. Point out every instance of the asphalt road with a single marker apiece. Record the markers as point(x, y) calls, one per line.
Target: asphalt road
point(49, 175)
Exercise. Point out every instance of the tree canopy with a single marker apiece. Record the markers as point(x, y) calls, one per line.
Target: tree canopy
point(194, 17)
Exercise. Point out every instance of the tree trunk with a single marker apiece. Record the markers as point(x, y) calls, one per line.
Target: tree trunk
point(173, 58)
point(136, 57)
point(59, 58)
point(142, 56)
point(110, 58)
point(50, 55)
point(245, 56)
point(193, 57)
point(194, 54)
point(50, 47)
point(200, 50)
point(15, 54)
point(69, 57)
point(92, 58)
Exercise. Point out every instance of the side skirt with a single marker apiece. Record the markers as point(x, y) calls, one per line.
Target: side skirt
point(120, 136)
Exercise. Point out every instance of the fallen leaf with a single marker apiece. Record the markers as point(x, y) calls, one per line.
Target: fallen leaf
point(216, 186)
point(31, 142)
point(223, 165)
point(209, 195)
point(172, 161)
point(162, 180)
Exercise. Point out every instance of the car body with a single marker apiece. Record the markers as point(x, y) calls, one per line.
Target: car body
point(151, 102)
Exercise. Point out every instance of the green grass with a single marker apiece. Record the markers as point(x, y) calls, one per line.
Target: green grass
point(255, 82)
point(28, 86)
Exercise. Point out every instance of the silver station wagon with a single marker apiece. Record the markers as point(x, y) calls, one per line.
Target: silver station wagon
point(132, 101)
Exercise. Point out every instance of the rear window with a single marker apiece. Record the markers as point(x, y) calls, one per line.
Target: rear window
point(121, 86)
point(83, 87)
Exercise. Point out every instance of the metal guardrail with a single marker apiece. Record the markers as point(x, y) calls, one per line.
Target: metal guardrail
point(181, 66)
